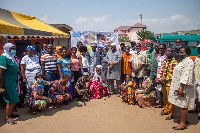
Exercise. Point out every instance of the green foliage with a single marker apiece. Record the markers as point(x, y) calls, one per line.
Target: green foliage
point(144, 35)
point(124, 39)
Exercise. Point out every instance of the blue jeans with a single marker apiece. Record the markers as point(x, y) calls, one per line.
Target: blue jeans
point(51, 76)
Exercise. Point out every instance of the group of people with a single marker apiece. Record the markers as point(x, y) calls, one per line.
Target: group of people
point(158, 77)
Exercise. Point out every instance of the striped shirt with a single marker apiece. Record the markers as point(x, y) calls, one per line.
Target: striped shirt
point(50, 62)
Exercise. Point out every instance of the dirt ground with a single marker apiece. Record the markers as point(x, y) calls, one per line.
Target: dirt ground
point(106, 115)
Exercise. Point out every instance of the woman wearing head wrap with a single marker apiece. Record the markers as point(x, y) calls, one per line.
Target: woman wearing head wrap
point(58, 51)
point(98, 88)
point(8, 78)
point(29, 66)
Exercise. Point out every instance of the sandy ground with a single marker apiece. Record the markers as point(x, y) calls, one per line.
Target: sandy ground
point(107, 115)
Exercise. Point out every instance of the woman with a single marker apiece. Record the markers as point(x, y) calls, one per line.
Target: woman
point(58, 51)
point(127, 90)
point(98, 88)
point(58, 92)
point(64, 67)
point(30, 66)
point(84, 62)
point(8, 77)
point(182, 92)
point(34, 97)
point(146, 96)
point(74, 64)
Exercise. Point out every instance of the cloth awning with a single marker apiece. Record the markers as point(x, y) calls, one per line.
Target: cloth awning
point(12, 23)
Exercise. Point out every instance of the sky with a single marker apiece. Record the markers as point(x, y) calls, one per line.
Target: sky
point(160, 16)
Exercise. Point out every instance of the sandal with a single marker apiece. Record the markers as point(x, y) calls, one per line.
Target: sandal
point(163, 112)
point(175, 128)
point(158, 106)
point(169, 118)
point(10, 121)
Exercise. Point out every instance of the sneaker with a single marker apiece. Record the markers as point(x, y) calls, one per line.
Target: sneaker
point(118, 95)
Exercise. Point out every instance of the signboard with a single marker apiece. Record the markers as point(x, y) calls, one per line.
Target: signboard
point(89, 37)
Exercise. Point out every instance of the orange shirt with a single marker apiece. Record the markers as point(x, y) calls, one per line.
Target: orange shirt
point(126, 64)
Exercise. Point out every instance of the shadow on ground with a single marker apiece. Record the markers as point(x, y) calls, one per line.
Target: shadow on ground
point(26, 115)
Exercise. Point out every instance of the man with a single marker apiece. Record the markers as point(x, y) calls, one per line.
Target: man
point(160, 59)
point(166, 78)
point(126, 67)
point(39, 50)
point(82, 89)
point(78, 54)
point(138, 64)
point(177, 49)
point(133, 43)
point(150, 52)
point(154, 63)
point(94, 57)
point(49, 65)
point(113, 59)
point(122, 46)
point(197, 79)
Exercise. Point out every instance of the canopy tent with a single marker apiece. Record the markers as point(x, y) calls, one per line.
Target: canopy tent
point(12, 23)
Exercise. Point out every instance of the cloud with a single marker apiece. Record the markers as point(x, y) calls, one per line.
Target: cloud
point(176, 22)
point(81, 20)
point(97, 23)
point(46, 19)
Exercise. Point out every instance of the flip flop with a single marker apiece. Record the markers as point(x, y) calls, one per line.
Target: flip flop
point(175, 128)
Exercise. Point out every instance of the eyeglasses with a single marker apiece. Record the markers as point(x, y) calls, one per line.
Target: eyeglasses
point(178, 42)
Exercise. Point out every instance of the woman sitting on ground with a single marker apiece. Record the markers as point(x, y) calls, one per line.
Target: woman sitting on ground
point(98, 88)
point(58, 92)
point(34, 97)
point(145, 97)
point(127, 90)
point(82, 88)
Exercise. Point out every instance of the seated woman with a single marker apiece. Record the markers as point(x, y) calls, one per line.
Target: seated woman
point(82, 88)
point(58, 92)
point(97, 86)
point(145, 97)
point(128, 90)
point(34, 97)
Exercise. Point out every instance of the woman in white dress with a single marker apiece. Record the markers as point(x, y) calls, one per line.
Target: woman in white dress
point(182, 91)
point(30, 66)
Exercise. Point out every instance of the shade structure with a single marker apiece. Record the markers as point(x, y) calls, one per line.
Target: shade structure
point(12, 23)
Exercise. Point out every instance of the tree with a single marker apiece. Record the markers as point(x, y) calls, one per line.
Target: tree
point(144, 34)
point(124, 39)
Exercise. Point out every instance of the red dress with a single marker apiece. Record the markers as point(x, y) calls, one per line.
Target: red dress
point(96, 91)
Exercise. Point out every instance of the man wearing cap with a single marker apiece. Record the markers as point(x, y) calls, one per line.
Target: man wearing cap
point(94, 57)
point(113, 59)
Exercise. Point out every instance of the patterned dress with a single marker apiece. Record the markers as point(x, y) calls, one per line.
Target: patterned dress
point(128, 92)
point(60, 89)
point(183, 74)
point(33, 92)
point(145, 98)
point(97, 91)
point(65, 68)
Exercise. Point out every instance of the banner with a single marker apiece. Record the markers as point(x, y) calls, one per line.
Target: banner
point(89, 37)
